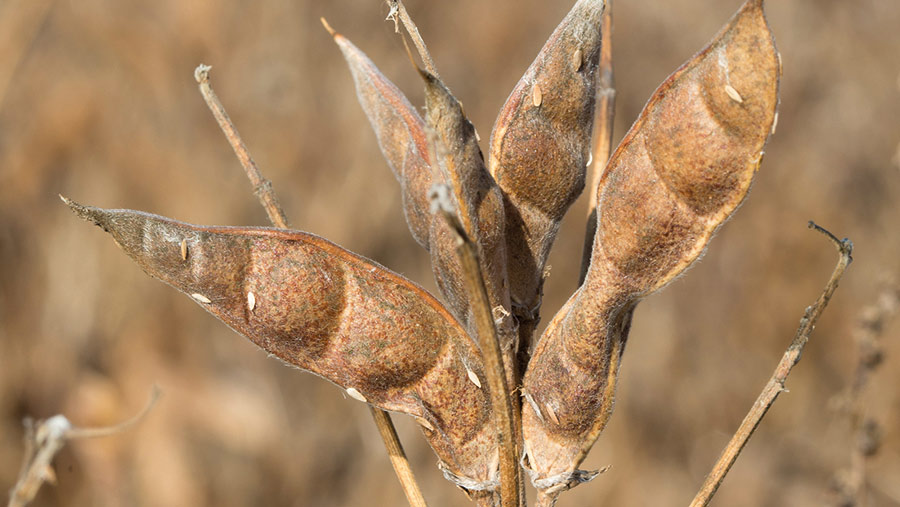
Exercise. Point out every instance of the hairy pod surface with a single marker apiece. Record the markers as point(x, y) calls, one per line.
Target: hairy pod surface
point(683, 168)
point(401, 136)
point(323, 309)
point(478, 202)
point(540, 146)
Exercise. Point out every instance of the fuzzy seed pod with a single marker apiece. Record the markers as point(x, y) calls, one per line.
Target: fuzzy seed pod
point(318, 307)
point(540, 147)
point(478, 202)
point(684, 167)
point(401, 135)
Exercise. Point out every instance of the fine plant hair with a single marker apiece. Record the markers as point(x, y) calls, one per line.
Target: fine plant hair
point(496, 403)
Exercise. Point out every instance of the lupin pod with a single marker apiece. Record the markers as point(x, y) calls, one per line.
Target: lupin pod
point(680, 172)
point(400, 132)
point(540, 147)
point(318, 307)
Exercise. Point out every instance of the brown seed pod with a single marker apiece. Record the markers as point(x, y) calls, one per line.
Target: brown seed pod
point(540, 147)
point(478, 202)
point(684, 167)
point(318, 307)
point(400, 132)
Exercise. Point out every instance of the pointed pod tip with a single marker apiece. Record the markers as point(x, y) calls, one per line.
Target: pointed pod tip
point(89, 213)
point(328, 27)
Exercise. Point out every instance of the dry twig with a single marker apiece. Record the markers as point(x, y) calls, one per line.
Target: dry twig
point(263, 189)
point(45, 438)
point(504, 416)
point(775, 386)
point(398, 10)
point(604, 116)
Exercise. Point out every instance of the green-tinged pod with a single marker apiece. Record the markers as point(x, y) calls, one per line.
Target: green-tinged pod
point(401, 135)
point(684, 167)
point(318, 307)
point(540, 147)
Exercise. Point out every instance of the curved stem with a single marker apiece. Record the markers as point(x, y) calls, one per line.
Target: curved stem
point(775, 386)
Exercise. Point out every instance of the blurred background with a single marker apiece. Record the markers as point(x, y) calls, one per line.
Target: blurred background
point(98, 102)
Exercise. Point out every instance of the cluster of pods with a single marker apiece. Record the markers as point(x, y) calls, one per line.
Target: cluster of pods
point(686, 164)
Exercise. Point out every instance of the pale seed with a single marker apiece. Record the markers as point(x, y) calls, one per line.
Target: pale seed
point(424, 422)
point(251, 301)
point(201, 298)
point(184, 249)
point(473, 378)
point(735, 96)
point(552, 414)
point(536, 96)
point(356, 395)
point(576, 59)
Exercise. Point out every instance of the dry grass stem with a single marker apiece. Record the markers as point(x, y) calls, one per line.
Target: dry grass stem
point(398, 10)
point(263, 189)
point(45, 438)
point(775, 386)
point(504, 419)
point(398, 457)
point(261, 186)
point(604, 118)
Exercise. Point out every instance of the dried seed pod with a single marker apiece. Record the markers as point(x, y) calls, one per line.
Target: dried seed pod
point(458, 162)
point(400, 132)
point(681, 171)
point(540, 147)
point(323, 309)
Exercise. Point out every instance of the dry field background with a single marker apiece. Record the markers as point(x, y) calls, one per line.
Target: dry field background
point(99, 103)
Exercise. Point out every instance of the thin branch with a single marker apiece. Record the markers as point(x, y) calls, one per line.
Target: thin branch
point(604, 115)
point(45, 438)
point(261, 186)
point(398, 10)
point(493, 364)
point(776, 384)
point(266, 194)
point(398, 457)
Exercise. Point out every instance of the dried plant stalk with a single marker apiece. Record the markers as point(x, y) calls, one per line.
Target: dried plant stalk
point(540, 146)
point(46, 438)
point(318, 307)
point(269, 200)
point(681, 171)
point(478, 205)
point(505, 422)
point(604, 116)
point(398, 457)
point(261, 186)
point(775, 385)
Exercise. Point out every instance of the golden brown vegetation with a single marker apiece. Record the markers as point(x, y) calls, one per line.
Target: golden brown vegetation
point(96, 110)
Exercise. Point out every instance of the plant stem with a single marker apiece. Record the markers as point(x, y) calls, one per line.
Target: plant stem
point(398, 457)
point(775, 386)
point(399, 10)
point(45, 438)
point(604, 114)
point(493, 364)
point(261, 186)
point(264, 191)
